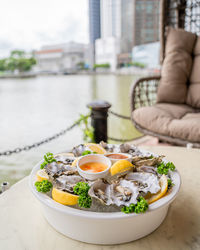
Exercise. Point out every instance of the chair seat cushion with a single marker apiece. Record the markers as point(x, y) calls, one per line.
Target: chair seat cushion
point(175, 120)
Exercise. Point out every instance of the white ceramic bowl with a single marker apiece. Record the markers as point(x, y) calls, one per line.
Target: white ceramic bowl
point(93, 158)
point(104, 228)
point(115, 160)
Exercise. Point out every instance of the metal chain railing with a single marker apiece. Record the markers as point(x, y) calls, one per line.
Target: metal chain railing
point(62, 132)
point(121, 140)
point(122, 117)
point(37, 144)
point(118, 115)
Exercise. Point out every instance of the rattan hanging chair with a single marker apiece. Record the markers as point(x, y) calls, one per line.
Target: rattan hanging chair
point(177, 14)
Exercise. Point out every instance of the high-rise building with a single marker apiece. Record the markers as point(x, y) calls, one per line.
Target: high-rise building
point(110, 18)
point(145, 21)
point(127, 7)
point(94, 27)
point(94, 20)
point(125, 24)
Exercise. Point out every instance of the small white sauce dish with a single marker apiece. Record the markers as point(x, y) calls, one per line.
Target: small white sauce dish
point(127, 157)
point(93, 158)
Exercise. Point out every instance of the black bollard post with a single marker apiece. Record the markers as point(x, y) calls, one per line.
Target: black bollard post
point(99, 116)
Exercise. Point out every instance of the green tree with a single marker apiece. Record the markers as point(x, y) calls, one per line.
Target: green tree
point(2, 64)
point(17, 53)
point(18, 60)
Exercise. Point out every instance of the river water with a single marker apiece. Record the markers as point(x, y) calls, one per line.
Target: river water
point(34, 108)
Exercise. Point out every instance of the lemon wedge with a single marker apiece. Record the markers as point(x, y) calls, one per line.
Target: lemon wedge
point(121, 166)
point(75, 162)
point(96, 148)
point(164, 186)
point(42, 175)
point(64, 198)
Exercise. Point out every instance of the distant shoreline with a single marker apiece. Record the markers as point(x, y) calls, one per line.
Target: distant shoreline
point(117, 72)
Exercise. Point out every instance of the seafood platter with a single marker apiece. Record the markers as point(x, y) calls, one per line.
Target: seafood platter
point(105, 193)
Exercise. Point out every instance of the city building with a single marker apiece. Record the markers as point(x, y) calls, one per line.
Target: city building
point(110, 18)
point(145, 21)
point(94, 27)
point(107, 50)
point(116, 31)
point(61, 57)
point(127, 24)
point(147, 54)
point(94, 20)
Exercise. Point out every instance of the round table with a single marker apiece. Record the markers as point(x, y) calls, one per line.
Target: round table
point(22, 225)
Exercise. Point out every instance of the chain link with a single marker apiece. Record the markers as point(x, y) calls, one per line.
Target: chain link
point(123, 117)
point(37, 144)
point(118, 115)
point(62, 132)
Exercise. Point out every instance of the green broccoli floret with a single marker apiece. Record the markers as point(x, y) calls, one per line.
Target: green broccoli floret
point(84, 201)
point(81, 188)
point(48, 158)
point(164, 168)
point(43, 186)
point(140, 207)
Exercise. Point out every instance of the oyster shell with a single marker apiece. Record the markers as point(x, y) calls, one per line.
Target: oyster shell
point(146, 182)
point(65, 159)
point(147, 169)
point(78, 150)
point(67, 183)
point(100, 191)
point(129, 149)
point(110, 148)
point(146, 160)
point(124, 193)
point(55, 169)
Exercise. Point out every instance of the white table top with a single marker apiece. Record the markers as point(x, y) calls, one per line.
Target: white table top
point(22, 225)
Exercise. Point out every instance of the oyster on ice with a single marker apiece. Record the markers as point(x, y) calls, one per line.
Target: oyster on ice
point(122, 193)
point(129, 149)
point(110, 148)
point(65, 159)
point(100, 191)
point(146, 182)
point(78, 150)
point(55, 169)
point(146, 160)
point(147, 169)
point(67, 183)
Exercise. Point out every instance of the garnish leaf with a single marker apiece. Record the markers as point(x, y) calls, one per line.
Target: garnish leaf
point(43, 186)
point(81, 189)
point(140, 207)
point(48, 158)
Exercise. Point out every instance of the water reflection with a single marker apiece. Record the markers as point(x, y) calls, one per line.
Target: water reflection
point(32, 109)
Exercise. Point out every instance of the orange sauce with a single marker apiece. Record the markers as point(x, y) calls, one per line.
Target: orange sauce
point(93, 167)
point(117, 156)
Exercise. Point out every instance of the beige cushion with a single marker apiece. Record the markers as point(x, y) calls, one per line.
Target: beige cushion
point(176, 120)
point(193, 96)
point(187, 128)
point(176, 67)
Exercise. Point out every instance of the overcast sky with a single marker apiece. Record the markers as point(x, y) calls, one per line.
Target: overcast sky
point(29, 24)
